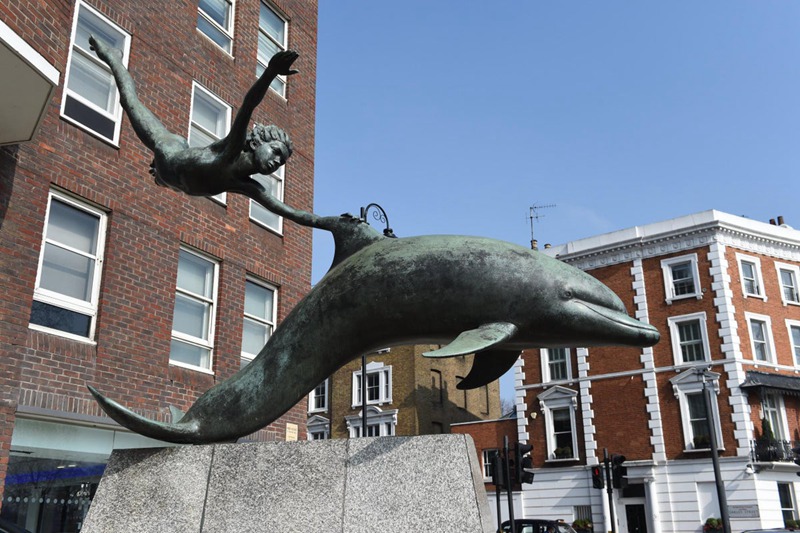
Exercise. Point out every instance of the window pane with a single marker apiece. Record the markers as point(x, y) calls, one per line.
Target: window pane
point(254, 336)
point(258, 212)
point(92, 82)
point(72, 227)
point(682, 279)
point(94, 120)
point(272, 24)
point(189, 354)
point(209, 114)
point(217, 10)
point(191, 317)
point(373, 387)
point(561, 420)
point(67, 273)
point(258, 301)
point(789, 285)
point(213, 33)
point(91, 24)
point(54, 317)
point(195, 274)
point(266, 48)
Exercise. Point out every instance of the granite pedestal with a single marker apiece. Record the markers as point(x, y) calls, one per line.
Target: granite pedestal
point(386, 484)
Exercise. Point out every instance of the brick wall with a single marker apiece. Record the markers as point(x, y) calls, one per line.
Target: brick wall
point(147, 224)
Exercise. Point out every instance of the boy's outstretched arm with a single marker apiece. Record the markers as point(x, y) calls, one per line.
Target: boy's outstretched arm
point(280, 64)
point(148, 128)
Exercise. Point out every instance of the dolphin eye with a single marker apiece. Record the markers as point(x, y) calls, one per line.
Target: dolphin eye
point(567, 295)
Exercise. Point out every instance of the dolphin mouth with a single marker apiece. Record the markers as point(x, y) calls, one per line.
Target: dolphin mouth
point(644, 334)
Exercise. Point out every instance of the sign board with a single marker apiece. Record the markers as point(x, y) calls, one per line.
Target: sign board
point(291, 432)
point(743, 511)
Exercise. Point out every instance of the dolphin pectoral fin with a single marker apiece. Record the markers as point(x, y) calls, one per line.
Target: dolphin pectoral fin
point(178, 433)
point(475, 340)
point(175, 413)
point(488, 366)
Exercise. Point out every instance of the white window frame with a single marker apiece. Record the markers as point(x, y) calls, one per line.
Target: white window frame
point(690, 382)
point(786, 511)
point(486, 460)
point(545, 361)
point(794, 270)
point(63, 301)
point(196, 87)
point(551, 400)
point(791, 324)
point(780, 431)
point(227, 32)
point(313, 395)
point(758, 280)
point(384, 384)
point(246, 358)
point(190, 339)
point(116, 115)
point(280, 175)
point(673, 323)
point(669, 283)
point(318, 425)
point(281, 46)
point(769, 337)
point(384, 421)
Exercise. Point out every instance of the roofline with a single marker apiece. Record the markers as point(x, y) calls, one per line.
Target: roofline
point(672, 228)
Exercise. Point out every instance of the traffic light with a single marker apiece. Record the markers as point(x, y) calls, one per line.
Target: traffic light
point(498, 472)
point(520, 453)
point(527, 470)
point(597, 477)
point(618, 472)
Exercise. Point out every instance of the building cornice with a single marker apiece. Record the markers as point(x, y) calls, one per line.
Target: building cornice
point(677, 235)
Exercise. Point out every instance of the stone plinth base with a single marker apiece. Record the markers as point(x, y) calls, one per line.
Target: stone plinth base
point(387, 484)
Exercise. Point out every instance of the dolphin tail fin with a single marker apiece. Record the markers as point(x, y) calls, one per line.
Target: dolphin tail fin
point(476, 340)
point(488, 366)
point(178, 433)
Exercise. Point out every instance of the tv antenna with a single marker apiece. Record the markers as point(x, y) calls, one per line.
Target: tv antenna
point(534, 214)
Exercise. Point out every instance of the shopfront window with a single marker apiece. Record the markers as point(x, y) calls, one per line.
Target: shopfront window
point(54, 470)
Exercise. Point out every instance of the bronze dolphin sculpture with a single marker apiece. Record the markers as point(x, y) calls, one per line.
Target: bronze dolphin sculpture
point(472, 294)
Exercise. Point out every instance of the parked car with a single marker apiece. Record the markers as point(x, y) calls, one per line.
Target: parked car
point(534, 525)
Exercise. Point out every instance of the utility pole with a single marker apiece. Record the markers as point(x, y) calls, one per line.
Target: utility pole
point(533, 214)
point(609, 490)
point(709, 397)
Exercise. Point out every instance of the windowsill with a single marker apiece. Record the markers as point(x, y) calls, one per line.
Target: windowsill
point(218, 47)
point(756, 296)
point(62, 334)
point(218, 201)
point(790, 302)
point(562, 460)
point(702, 450)
point(376, 403)
point(270, 229)
point(315, 411)
point(112, 143)
point(697, 296)
point(192, 367)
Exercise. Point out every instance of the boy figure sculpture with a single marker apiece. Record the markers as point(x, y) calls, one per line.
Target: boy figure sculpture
point(225, 165)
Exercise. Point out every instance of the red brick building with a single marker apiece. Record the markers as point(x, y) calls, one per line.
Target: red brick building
point(724, 292)
point(109, 279)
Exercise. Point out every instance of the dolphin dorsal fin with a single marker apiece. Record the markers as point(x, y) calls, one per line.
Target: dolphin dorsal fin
point(351, 234)
point(176, 414)
point(488, 366)
point(476, 340)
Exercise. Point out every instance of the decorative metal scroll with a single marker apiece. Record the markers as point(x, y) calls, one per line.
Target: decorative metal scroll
point(379, 214)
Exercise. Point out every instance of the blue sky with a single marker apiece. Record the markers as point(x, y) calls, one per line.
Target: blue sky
point(457, 116)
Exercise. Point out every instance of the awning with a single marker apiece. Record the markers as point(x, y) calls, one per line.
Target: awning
point(26, 85)
point(777, 382)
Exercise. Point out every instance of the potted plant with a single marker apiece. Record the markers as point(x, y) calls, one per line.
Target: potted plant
point(712, 524)
point(766, 446)
point(582, 525)
point(701, 442)
point(792, 524)
point(563, 453)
